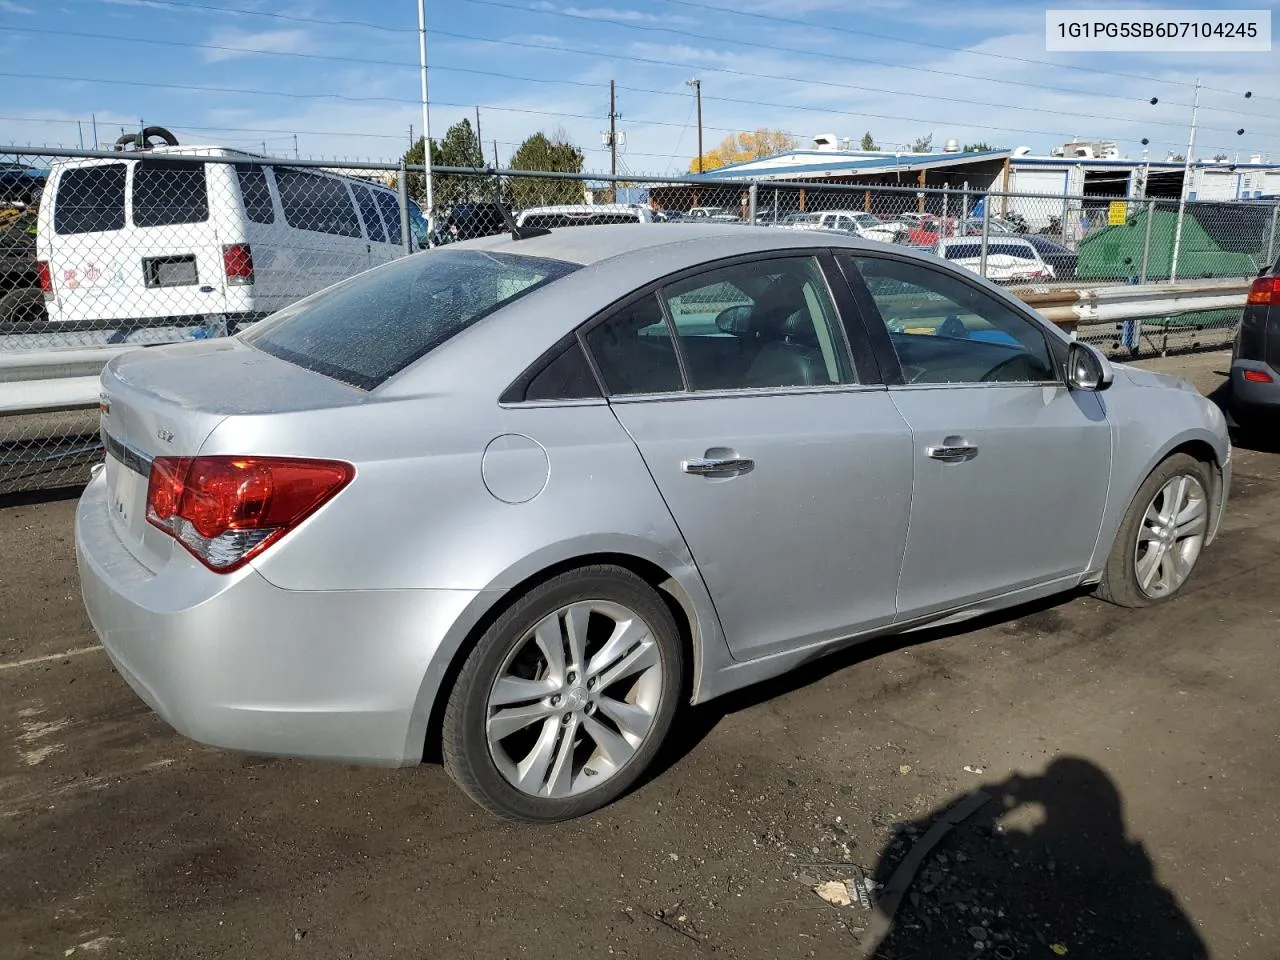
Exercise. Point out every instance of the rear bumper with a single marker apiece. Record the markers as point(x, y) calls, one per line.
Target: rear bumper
point(1250, 393)
point(235, 662)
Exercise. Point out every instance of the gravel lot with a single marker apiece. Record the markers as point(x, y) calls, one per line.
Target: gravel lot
point(1134, 757)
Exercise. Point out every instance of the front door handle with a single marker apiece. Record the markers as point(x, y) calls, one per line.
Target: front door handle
point(718, 466)
point(952, 450)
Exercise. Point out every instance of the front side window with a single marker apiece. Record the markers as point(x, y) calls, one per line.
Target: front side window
point(169, 192)
point(316, 203)
point(90, 199)
point(946, 331)
point(368, 328)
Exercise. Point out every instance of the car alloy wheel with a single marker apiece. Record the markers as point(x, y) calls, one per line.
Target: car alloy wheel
point(1171, 535)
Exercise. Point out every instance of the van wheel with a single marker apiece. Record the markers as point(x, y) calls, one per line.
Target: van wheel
point(1162, 535)
point(23, 310)
point(566, 699)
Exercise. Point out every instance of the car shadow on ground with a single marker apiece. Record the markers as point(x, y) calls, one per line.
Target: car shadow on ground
point(1045, 867)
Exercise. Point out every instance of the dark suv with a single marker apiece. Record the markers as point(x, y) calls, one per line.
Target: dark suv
point(1255, 357)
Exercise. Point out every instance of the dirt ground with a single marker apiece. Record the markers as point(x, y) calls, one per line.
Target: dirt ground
point(1133, 758)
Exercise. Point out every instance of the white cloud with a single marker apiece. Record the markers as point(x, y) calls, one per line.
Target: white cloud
point(613, 13)
point(248, 42)
point(8, 6)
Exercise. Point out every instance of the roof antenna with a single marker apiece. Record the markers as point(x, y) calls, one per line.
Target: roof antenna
point(521, 233)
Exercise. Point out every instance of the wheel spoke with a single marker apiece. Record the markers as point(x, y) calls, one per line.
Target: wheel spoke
point(531, 772)
point(1175, 491)
point(615, 749)
point(1192, 518)
point(575, 628)
point(1169, 570)
point(632, 720)
point(1151, 518)
point(560, 782)
point(509, 690)
point(1182, 565)
point(626, 634)
point(506, 722)
point(1149, 564)
point(547, 636)
point(641, 658)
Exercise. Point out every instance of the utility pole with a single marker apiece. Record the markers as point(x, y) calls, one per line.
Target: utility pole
point(479, 142)
point(296, 154)
point(495, 154)
point(697, 92)
point(411, 136)
point(613, 134)
point(426, 113)
point(1186, 182)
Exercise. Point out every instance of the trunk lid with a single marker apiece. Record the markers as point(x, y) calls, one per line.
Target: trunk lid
point(166, 401)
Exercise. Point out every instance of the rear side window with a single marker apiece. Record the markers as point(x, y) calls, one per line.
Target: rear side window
point(369, 210)
point(169, 192)
point(90, 199)
point(548, 220)
point(370, 327)
point(391, 211)
point(316, 203)
point(256, 193)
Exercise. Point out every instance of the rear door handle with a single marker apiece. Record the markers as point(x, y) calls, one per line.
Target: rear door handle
point(953, 450)
point(718, 467)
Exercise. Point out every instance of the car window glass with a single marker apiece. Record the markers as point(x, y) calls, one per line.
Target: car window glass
point(320, 204)
point(767, 323)
point(966, 251)
point(369, 211)
point(169, 192)
point(256, 194)
point(634, 352)
point(550, 220)
point(391, 213)
point(90, 199)
point(946, 331)
point(567, 377)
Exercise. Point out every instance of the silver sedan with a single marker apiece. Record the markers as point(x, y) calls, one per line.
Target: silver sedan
point(516, 499)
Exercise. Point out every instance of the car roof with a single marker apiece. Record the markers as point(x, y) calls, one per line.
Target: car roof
point(594, 244)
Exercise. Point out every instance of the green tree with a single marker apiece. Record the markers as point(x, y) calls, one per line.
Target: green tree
point(923, 144)
point(555, 153)
point(458, 148)
point(977, 147)
point(868, 142)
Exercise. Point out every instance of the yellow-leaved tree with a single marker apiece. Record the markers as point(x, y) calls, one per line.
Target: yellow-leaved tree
point(740, 147)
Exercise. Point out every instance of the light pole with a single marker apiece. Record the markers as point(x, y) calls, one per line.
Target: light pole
point(426, 113)
point(697, 93)
point(1186, 182)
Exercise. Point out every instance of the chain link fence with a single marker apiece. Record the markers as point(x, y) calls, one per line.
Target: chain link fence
point(103, 250)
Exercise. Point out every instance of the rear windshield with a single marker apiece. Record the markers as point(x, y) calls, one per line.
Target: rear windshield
point(169, 192)
point(90, 199)
point(967, 251)
point(369, 328)
point(578, 219)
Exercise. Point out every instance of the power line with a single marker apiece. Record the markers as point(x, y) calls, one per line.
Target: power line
point(250, 50)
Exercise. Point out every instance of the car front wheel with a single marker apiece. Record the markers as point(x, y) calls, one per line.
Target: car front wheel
point(566, 698)
point(1161, 536)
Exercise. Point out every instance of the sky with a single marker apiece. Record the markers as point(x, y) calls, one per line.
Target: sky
point(342, 75)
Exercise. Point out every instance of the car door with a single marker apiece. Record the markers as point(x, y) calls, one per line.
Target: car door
point(789, 479)
point(1011, 466)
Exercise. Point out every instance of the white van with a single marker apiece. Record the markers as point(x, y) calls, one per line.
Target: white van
point(145, 239)
point(584, 215)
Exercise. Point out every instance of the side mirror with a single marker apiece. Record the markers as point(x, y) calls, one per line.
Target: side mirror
point(735, 321)
point(1087, 368)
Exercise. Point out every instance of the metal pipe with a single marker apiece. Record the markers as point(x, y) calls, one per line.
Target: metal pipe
point(402, 187)
point(1186, 182)
point(426, 113)
point(751, 203)
point(1146, 241)
point(1271, 237)
point(986, 231)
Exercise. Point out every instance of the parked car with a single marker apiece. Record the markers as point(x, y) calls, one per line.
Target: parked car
point(147, 237)
point(714, 213)
point(1062, 259)
point(497, 494)
point(20, 183)
point(1009, 259)
point(584, 215)
point(865, 225)
point(1255, 355)
point(931, 229)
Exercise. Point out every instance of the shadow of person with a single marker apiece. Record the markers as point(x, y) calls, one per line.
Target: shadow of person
point(1043, 869)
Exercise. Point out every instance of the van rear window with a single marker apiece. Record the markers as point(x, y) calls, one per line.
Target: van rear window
point(169, 192)
point(368, 328)
point(90, 199)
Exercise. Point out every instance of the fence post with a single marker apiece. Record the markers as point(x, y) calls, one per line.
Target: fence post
point(751, 203)
point(946, 202)
point(1146, 241)
point(986, 232)
point(1271, 237)
point(1066, 204)
point(402, 185)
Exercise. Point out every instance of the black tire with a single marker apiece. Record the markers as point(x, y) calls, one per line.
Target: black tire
point(1119, 584)
point(22, 310)
point(149, 133)
point(464, 745)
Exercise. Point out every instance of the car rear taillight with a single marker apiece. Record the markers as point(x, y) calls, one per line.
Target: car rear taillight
point(237, 263)
point(46, 278)
point(1265, 292)
point(1257, 376)
point(227, 510)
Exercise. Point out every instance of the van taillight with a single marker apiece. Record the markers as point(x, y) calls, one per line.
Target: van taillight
point(1265, 292)
point(46, 278)
point(226, 510)
point(237, 263)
